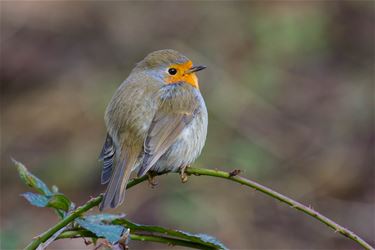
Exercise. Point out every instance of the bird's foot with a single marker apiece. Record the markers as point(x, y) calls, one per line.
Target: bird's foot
point(152, 180)
point(183, 175)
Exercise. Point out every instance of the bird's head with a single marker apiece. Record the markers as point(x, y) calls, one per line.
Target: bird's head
point(171, 67)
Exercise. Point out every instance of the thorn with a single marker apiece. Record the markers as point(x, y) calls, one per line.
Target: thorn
point(87, 242)
point(234, 172)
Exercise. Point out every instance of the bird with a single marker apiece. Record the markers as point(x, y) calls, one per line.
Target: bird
point(156, 122)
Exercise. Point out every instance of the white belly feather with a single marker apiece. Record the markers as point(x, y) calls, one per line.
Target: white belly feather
point(188, 145)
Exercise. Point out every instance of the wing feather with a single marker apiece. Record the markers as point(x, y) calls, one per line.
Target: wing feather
point(163, 132)
point(107, 157)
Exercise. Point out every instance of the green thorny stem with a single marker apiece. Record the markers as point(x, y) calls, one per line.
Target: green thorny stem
point(232, 176)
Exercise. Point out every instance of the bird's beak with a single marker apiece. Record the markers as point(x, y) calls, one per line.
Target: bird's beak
point(195, 69)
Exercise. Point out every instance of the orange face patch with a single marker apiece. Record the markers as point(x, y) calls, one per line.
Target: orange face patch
point(182, 74)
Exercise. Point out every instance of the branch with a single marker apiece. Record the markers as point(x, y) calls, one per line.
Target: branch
point(232, 176)
point(79, 233)
point(292, 203)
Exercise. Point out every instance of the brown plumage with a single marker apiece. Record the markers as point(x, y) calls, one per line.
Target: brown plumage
point(156, 121)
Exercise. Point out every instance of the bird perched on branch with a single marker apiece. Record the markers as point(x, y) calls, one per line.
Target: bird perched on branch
point(156, 122)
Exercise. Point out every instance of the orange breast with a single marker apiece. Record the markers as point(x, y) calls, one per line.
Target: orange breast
point(182, 75)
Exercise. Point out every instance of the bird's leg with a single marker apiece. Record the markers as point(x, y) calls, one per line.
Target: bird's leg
point(183, 175)
point(151, 179)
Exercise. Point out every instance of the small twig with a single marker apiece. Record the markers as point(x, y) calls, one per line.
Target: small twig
point(208, 172)
point(45, 244)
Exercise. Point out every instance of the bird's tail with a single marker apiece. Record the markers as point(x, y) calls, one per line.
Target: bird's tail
point(116, 188)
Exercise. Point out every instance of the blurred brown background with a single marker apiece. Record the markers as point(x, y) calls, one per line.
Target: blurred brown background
point(289, 91)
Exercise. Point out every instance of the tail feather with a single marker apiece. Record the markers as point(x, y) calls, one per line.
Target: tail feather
point(115, 192)
point(120, 191)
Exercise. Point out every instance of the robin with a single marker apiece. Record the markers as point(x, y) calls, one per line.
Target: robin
point(156, 122)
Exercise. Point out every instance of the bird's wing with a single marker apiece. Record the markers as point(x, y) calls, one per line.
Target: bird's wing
point(107, 157)
point(163, 132)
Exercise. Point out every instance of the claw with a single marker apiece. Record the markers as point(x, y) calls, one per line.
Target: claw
point(152, 180)
point(183, 175)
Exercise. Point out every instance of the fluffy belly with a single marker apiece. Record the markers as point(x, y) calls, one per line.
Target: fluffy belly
point(187, 147)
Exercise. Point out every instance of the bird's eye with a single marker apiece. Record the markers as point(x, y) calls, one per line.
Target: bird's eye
point(172, 71)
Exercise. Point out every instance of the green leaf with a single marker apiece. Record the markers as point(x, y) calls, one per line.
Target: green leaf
point(111, 232)
point(59, 201)
point(205, 238)
point(103, 218)
point(47, 198)
point(30, 179)
point(36, 199)
point(198, 238)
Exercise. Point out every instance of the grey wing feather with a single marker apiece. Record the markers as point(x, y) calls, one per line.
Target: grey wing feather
point(163, 132)
point(107, 156)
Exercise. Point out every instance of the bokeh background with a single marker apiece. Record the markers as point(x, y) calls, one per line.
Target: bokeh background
point(289, 89)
